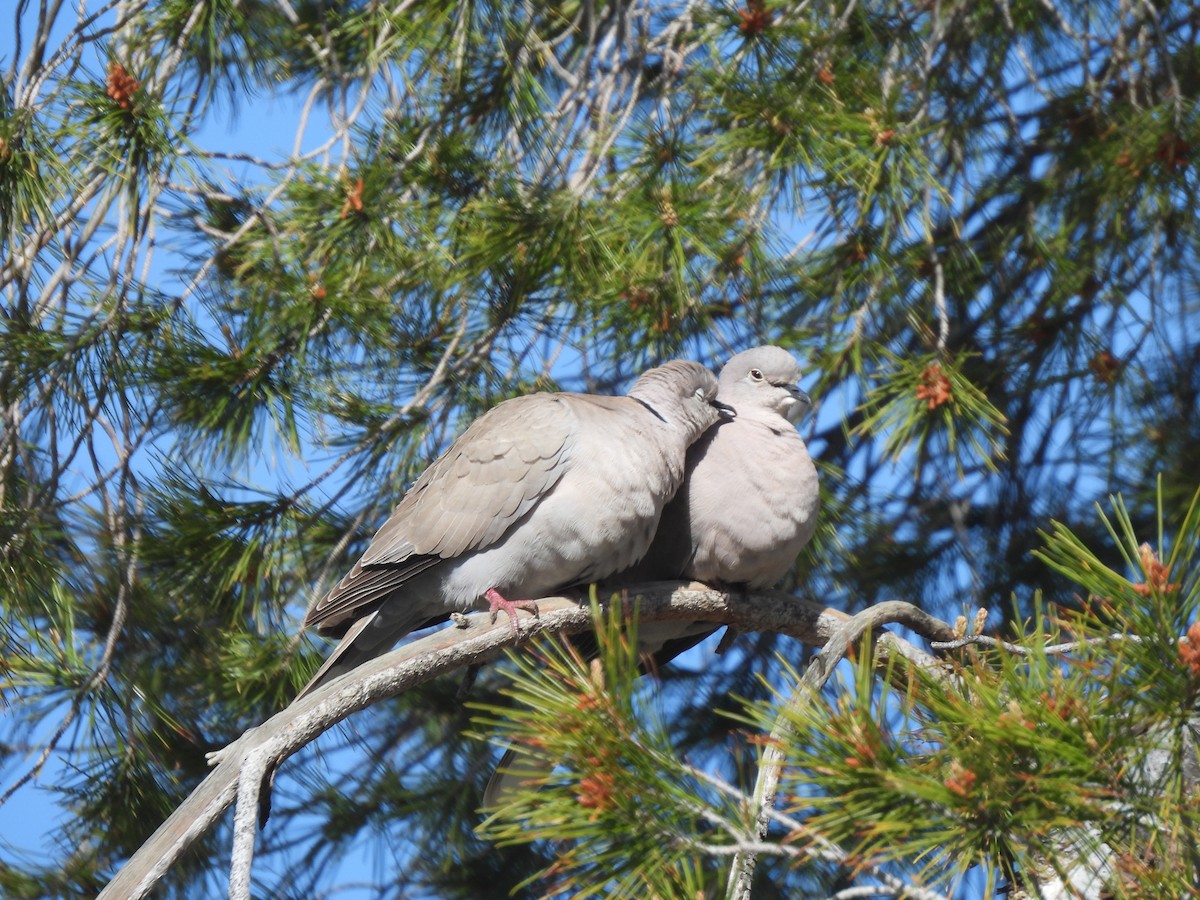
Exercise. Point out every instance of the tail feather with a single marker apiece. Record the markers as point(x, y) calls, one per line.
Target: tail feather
point(345, 656)
point(374, 634)
point(516, 769)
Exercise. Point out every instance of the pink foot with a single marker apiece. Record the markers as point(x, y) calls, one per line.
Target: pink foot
point(497, 602)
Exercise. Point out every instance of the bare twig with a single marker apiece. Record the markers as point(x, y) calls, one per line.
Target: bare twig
point(245, 820)
point(1050, 649)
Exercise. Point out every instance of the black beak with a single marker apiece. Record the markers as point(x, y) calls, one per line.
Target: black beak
point(726, 411)
point(796, 411)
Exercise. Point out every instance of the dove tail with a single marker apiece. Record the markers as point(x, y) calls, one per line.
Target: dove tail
point(370, 636)
point(345, 656)
point(515, 769)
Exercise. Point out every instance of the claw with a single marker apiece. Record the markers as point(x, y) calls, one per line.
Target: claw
point(497, 602)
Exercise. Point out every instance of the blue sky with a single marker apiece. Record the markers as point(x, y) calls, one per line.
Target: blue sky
point(266, 130)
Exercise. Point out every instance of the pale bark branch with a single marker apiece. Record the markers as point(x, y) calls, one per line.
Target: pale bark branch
point(447, 650)
point(741, 874)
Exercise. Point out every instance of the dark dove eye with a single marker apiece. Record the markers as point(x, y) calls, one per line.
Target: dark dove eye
point(756, 374)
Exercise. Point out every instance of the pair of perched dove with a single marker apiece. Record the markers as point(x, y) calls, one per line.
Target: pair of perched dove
point(747, 507)
point(684, 477)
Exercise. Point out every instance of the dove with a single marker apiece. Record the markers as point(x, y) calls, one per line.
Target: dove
point(750, 501)
point(541, 493)
point(746, 509)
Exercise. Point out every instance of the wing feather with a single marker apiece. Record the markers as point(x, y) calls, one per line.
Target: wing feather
point(486, 481)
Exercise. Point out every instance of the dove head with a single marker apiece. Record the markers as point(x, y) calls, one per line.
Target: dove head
point(682, 393)
point(762, 382)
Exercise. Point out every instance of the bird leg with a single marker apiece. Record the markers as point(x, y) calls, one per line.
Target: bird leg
point(497, 602)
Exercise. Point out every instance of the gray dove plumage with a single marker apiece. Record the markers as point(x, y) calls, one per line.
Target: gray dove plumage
point(540, 493)
point(746, 509)
point(750, 501)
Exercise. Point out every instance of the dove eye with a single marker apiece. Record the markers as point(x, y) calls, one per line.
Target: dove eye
point(699, 394)
point(756, 374)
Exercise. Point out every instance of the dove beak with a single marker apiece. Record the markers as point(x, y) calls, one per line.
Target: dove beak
point(726, 411)
point(801, 404)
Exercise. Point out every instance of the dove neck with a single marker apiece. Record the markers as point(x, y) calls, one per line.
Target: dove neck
point(761, 415)
point(650, 408)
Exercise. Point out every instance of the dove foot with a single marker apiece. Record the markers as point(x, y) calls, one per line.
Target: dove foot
point(498, 602)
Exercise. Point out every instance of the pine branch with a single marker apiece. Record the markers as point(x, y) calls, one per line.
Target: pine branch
point(741, 874)
point(815, 844)
point(477, 642)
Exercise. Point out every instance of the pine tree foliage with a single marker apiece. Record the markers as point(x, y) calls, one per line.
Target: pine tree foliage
point(1068, 754)
point(261, 260)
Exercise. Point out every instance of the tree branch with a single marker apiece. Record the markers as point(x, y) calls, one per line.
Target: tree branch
point(741, 875)
point(475, 642)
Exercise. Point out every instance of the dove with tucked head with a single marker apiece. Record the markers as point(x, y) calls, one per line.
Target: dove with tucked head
point(541, 493)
